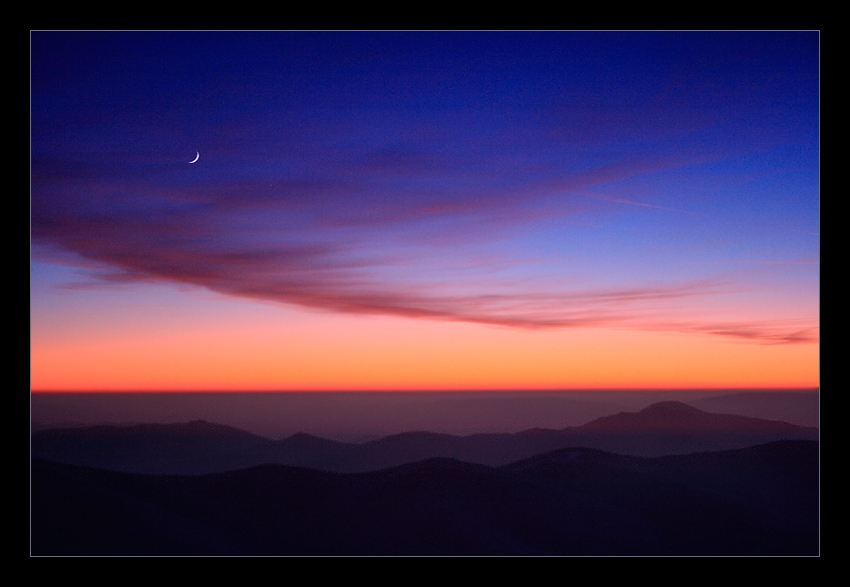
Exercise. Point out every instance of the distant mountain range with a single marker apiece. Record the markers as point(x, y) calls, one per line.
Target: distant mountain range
point(358, 417)
point(193, 448)
point(762, 500)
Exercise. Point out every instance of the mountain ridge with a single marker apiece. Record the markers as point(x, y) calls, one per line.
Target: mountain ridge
point(571, 502)
point(200, 447)
point(675, 415)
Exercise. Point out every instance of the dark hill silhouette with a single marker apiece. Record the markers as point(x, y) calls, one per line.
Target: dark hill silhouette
point(575, 501)
point(191, 448)
point(797, 407)
point(199, 447)
point(677, 428)
point(673, 416)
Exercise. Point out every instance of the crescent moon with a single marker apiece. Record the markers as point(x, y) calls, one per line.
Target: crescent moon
point(197, 156)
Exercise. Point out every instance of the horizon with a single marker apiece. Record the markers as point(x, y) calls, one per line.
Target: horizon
point(589, 391)
point(423, 212)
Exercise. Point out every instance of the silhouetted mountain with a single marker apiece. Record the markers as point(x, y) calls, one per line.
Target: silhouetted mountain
point(306, 450)
point(188, 448)
point(575, 501)
point(357, 417)
point(197, 448)
point(677, 417)
point(797, 407)
point(676, 428)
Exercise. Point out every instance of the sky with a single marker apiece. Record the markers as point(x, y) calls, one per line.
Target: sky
point(424, 210)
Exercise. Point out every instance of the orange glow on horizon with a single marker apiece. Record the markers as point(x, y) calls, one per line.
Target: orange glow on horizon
point(324, 353)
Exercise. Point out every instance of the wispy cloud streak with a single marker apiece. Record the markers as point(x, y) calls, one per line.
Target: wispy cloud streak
point(215, 239)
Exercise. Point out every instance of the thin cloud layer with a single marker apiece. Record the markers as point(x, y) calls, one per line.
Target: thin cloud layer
point(248, 241)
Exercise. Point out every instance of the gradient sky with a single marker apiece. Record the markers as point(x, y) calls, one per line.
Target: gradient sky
point(443, 210)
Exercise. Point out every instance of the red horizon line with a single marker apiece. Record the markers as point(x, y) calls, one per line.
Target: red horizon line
point(438, 390)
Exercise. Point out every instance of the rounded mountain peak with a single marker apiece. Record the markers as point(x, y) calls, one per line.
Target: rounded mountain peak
point(672, 408)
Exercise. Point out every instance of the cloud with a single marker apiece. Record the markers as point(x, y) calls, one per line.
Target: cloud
point(354, 239)
point(767, 332)
point(630, 202)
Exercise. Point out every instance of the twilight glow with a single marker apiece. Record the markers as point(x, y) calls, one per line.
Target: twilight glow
point(446, 210)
